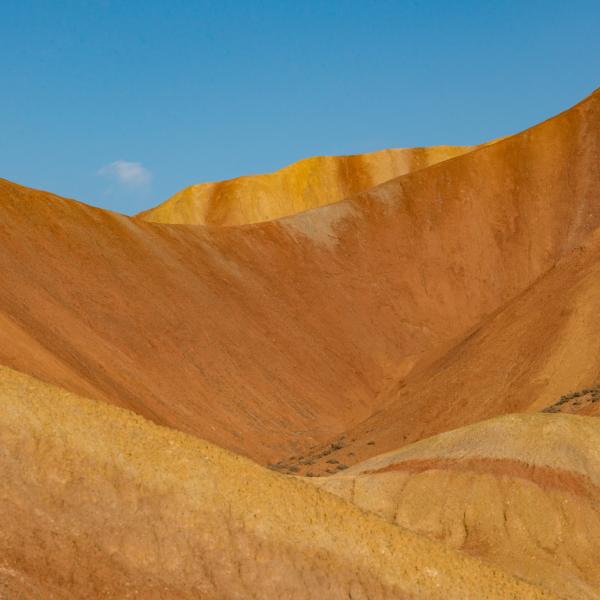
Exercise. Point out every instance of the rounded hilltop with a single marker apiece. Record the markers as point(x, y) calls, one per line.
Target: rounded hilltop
point(301, 186)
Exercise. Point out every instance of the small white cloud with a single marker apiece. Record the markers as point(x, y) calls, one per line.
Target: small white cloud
point(128, 174)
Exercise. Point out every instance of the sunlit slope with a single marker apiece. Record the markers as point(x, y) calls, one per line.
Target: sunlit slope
point(307, 184)
point(97, 502)
point(541, 347)
point(273, 337)
point(521, 491)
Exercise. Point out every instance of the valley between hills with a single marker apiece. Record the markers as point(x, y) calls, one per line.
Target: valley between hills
point(366, 377)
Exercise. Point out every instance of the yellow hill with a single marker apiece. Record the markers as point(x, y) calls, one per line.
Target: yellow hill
point(304, 185)
point(98, 502)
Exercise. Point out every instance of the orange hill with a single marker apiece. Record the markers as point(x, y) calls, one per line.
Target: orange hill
point(273, 337)
point(541, 347)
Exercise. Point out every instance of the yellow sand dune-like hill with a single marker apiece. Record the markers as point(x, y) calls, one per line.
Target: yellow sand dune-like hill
point(304, 185)
point(98, 502)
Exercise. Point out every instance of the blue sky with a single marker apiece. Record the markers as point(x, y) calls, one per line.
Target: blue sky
point(121, 104)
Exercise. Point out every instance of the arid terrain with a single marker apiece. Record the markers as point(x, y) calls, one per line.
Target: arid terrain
point(359, 377)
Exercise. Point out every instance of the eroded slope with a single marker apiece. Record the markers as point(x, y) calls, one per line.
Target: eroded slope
point(521, 491)
point(98, 502)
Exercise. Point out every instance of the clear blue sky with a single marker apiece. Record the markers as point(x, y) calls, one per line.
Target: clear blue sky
point(122, 103)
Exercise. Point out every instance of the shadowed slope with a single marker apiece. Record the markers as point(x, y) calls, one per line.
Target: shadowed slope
point(98, 502)
point(272, 337)
point(521, 491)
point(304, 185)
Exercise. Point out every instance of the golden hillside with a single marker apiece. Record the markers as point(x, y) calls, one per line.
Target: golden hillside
point(98, 502)
point(304, 185)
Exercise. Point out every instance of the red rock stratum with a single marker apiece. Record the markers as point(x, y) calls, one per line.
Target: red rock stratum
point(520, 491)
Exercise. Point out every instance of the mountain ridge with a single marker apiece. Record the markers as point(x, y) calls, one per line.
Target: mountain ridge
point(303, 185)
point(151, 317)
